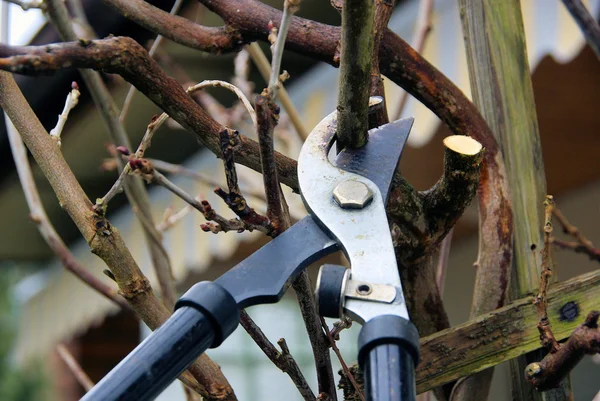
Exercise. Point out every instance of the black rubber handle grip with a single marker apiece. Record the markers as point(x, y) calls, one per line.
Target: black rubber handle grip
point(388, 354)
point(158, 360)
point(204, 317)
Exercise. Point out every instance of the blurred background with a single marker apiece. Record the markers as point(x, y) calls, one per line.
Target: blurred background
point(42, 305)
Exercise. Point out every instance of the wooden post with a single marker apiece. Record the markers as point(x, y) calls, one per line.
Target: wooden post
point(502, 90)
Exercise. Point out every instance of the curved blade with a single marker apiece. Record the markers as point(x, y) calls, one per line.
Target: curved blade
point(379, 158)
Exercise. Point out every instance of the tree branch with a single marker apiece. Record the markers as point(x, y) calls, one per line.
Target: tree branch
point(104, 239)
point(546, 336)
point(383, 12)
point(155, 45)
point(134, 188)
point(422, 30)
point(277, 209)
point(355, 70)
point(585, 340)
point(283, 360)
point(126, 57)
point(588, 24)
point(82, 378)
point(40, 218)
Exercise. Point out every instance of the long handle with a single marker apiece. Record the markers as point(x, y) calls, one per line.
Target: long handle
point(388, 354)
point(204, 317)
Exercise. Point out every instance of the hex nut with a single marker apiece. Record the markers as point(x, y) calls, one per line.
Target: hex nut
point(352, 195)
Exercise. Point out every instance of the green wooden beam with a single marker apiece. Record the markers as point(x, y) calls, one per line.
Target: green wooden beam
point(505, 333)
point(502, 90)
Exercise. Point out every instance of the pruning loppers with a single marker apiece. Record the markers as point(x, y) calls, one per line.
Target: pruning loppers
point(346, 202)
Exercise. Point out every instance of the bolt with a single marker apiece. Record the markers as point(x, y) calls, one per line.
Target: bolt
point(352, 195)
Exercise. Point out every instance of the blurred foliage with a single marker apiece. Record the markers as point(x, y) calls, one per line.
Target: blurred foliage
point(16, 383)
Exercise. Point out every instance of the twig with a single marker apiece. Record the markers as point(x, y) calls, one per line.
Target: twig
point(382, 14)
point(345, 368)
point(178, 169)
point(283, 360)
point(40, 218)
point(277, 208)
point(69, 360)
point(338, 326)
point(155, 45)
point(111, 248)
point(585, 245)
point(145, 168)
point(28, 4)
point(593, 253)
point(70, 103)
point(443, 258)
point(290, 7)
point(355, 70)
point(170, 219)
point(588, 24)
point(264, 67)
point(223, 84)
point(549, 372)
point(422, 30)
point(156, 123)
point(241, 68)
point(547, 338)
point(234, 198)
point(80, 22)
point(134, 188)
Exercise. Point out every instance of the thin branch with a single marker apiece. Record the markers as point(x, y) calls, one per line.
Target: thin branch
point(588, 24)
point(170, 219)
point(104, 240)
point(264, 67)
point(355, 70)
point(586, 246)
point(178, 169)
point(345, 368)
point(422, 30)
point(234, 199)
point(277, 208)
point(241, 68)
point(156, 123)
point(550, 371)
point(593, 253)
point(283, 360)
point(40, 218)
point(338, 326)
point(155, 45)
point(290, 7)
point(70, 103)
point(71, 362)
point(382, 14)
point(540, 300)
point(134, 188)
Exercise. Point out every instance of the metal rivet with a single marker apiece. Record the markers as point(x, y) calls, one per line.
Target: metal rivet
point(352, 195)
point(569, 311)
point(364, 289)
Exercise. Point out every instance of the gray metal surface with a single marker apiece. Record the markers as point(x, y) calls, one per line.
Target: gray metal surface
point(363, 234)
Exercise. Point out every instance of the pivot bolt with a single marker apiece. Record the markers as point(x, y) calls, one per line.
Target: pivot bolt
point(352, 195)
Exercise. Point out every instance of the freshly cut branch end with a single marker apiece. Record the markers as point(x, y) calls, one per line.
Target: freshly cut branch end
point(463, 144)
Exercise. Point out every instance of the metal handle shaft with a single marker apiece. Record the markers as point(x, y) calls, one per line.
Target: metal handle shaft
point(389, 374)
point(388, 351)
